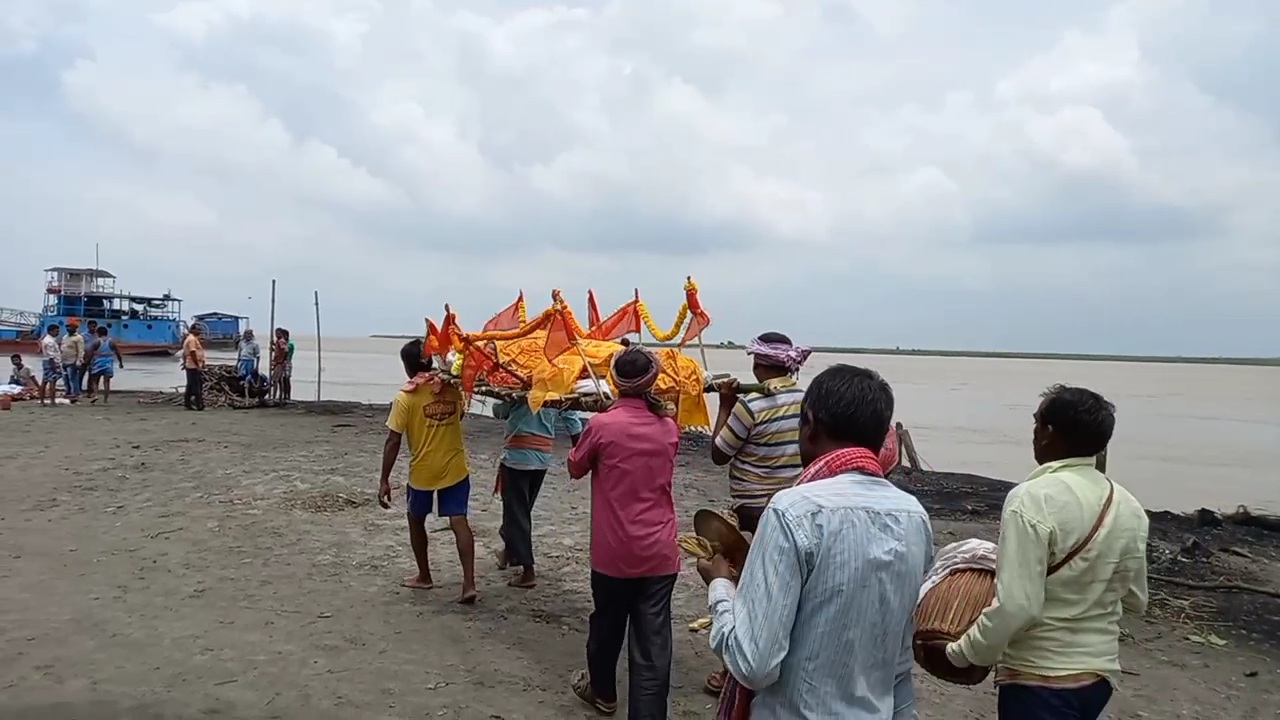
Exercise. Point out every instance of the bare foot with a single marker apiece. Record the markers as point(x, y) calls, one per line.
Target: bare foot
point(500, 557)
point(469, 596)
point(417, 582)
point(524, 581)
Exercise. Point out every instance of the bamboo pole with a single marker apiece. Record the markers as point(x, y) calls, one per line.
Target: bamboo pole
point(271, 352)
point(319, 366)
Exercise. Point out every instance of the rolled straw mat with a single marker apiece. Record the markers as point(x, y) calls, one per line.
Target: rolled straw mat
point(943, 615)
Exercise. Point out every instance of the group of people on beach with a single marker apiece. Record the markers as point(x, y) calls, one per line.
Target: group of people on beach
point(248, 365)
point(70, 359)
point(817, 623)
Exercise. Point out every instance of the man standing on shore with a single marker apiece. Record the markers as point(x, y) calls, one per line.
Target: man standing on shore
point(193, 363)
point(73, 350)
point(630, 452)
point(90, 333)
point(430, 413)
point(526, 455)
point(104, 354)
point(758, 437)
point(819, 625)
point(50, 364)
point(1072, 561)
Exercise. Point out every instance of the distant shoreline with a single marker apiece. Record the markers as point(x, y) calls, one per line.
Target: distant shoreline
point(993, 354)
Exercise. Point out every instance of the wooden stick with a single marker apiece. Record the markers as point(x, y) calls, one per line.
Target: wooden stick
point(1229, 587)
point(319, 366)
point(702, 350)
point(591, 373)
point(897, 430)
point(271, 337)
point(1100, 462)
point(909, 447)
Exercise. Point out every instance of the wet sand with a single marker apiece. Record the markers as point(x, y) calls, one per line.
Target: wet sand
point(234, 564)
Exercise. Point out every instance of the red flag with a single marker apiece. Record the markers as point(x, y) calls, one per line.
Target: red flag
point(508, 318)
point(474, 361)
point(699, 320)
point(559, 336)
point(624, 321)
point(593, 310)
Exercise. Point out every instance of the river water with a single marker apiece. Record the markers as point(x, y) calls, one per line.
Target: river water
point(1187, 436)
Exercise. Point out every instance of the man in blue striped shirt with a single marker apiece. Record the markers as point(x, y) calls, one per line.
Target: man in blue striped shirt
point(820, 623)
point(526, 455)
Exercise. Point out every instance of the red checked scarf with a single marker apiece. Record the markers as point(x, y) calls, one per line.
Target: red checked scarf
point(735, 698)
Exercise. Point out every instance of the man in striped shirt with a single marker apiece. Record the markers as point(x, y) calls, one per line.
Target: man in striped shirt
point(819, 625)
point(758, 436)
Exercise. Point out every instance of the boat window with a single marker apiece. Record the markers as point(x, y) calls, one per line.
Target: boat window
point(148, 326)
point(125, 326)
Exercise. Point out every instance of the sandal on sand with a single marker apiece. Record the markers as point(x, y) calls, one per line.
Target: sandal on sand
point(714, 683)
point(581, 685)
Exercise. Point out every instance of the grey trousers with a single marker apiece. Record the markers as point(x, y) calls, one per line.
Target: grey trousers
point(520, 490)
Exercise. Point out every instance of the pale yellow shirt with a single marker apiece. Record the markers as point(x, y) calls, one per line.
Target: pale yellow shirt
point(1069, 623)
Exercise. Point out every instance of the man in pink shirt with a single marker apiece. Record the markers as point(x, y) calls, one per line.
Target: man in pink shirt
point(630, 452)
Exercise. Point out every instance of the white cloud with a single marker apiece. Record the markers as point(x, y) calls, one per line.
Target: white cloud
point(400, 153)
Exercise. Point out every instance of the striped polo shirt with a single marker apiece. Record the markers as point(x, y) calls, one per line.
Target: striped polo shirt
point(763, 437)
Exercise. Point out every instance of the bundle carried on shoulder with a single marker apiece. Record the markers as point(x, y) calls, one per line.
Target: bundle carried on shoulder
point(961, 584)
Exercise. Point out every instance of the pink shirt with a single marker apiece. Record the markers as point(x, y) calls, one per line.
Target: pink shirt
point(631, 455)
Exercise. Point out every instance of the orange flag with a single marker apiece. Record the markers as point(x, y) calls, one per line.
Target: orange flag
point(699, 320)
point(593, 310)
point(508, 318)
point(624, 321)
point(473, 363)
point(559, 336)
point(436, 343)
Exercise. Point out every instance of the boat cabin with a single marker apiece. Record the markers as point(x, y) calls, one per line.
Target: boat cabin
point(220, 326)
point(90, 293)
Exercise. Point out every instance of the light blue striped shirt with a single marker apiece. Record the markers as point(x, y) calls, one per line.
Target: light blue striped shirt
point(820, 623)
point(523, 421)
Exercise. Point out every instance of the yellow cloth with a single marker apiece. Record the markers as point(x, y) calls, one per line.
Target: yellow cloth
point(432, 422)
point(1068, 623)
point(680, 382)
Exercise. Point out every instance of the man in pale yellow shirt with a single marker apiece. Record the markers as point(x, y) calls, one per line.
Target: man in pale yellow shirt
point(1072, 560)
point(429, 413)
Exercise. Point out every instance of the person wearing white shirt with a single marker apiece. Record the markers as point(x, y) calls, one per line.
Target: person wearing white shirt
point(50, 363)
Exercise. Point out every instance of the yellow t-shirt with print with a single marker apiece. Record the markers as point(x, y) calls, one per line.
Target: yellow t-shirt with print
point(432, 423)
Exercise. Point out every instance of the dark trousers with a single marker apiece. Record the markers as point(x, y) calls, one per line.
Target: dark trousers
point(193, 398)
point(748, 518)
point(1029, 702)
point(520, 490)
point(639, 611)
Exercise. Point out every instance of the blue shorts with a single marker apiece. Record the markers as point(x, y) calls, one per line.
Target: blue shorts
point(453, 499)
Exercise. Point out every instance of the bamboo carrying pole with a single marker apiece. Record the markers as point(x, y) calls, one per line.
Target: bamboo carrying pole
point(319, 366)
point(271, 336)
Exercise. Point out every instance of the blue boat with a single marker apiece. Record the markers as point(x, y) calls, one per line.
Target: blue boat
point(139, 324)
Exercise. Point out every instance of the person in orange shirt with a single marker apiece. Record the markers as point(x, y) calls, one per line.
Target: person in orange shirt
point(429, 413)
point(193, 364)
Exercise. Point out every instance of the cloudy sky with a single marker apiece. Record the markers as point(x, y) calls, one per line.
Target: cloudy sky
point(1085, 176)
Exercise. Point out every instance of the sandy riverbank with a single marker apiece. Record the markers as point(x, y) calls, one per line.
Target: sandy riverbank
point(164, 564)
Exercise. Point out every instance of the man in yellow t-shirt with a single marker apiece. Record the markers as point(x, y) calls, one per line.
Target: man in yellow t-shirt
point(430, 415)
